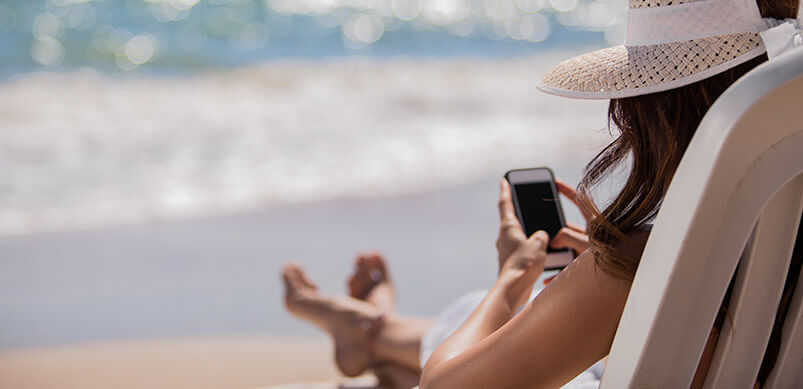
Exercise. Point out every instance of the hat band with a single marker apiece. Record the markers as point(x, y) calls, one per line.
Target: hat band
point(781, 36)
point(692, 20)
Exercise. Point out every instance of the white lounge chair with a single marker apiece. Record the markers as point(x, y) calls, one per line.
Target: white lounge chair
point(734, 201)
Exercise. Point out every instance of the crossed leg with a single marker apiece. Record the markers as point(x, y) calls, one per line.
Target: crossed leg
point(366, 330)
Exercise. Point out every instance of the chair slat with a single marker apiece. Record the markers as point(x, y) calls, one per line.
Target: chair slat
point(757, 292)
point(788, 371)
point(746, 149)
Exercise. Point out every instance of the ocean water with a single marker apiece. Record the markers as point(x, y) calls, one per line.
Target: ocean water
point(123, 111)
point(162, 158)
point(181, 36)
point(97, 150)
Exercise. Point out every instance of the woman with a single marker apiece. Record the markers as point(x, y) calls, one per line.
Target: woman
point(680, 56)
point(369, 333)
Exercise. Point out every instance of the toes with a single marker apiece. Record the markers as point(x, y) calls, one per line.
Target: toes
point(370, 270)
point(354, 286)
point(380, 263)
point(359, 266)
point(290, 273)
point(358, 282)
point(304, 278)
point(359, 262)
point(379, 270)
point(294, 277)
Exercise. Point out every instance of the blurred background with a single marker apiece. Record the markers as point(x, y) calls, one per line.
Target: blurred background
point(162, 158)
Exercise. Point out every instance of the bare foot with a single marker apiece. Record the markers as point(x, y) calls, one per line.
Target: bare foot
point(347, 320)
point(371, 282)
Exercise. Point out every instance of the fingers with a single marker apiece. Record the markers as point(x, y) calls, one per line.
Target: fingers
point(569, 238)
point(566, 190)
point(575, 227)
point(542, 237)
point(572, 195)
point(507, 214)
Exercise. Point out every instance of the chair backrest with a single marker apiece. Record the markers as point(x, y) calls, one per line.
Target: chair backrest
point(736, 199)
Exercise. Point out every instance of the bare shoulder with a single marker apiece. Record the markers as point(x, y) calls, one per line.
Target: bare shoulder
point(633, 245)
point(593, 288)
point(586, 273)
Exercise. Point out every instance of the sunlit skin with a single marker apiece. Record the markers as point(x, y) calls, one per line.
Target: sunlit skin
point(351, 319)
point(342, 318)
point(568, 327)
point(394, 357)
point(563, 331)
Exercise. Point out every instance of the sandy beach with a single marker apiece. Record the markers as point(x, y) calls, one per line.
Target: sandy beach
point(201, 362)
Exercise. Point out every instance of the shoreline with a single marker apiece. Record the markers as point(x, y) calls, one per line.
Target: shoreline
point(220, 275)
point(124, 306)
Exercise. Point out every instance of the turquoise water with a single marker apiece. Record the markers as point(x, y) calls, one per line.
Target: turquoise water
point(182, 35)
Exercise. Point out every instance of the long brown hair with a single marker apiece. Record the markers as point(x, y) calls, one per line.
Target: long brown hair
point(654, 131)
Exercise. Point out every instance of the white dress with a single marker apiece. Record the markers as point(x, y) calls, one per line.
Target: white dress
point(456, 314)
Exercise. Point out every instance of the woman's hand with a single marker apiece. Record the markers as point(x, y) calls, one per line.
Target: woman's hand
point(572, 236)
point(519, 255)
point(491, 339)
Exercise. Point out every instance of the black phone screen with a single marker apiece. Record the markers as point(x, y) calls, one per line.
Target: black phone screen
point(538, 208)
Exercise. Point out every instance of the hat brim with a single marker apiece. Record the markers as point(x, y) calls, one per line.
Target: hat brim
point(627, 71)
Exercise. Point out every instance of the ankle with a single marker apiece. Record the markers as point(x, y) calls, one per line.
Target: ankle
point(373, 330)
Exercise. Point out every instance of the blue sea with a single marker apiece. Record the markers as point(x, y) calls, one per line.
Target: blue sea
point(205, 106)
point(161, 158)
point(182, 36)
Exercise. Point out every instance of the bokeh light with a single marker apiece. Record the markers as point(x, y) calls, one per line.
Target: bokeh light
point(94, 32)
point(139, 49)
point(363, 30)
point(46, 26)
point(47, 51)
point(563, 5)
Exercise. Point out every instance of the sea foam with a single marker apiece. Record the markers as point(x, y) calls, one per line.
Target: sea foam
point(82, 149)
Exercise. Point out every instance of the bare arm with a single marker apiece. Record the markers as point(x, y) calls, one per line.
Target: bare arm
point(568, 327)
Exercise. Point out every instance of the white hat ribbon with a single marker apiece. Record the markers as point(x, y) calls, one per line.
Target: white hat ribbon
point(782, 36)
point(670, 44)
point(704, 18)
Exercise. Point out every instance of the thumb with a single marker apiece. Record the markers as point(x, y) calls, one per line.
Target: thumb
point(540, 236)
point(568, 238)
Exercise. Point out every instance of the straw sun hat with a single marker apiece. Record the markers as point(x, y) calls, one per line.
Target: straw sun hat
point(672, 43)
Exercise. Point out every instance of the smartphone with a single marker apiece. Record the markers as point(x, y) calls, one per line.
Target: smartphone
point(537, 204)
